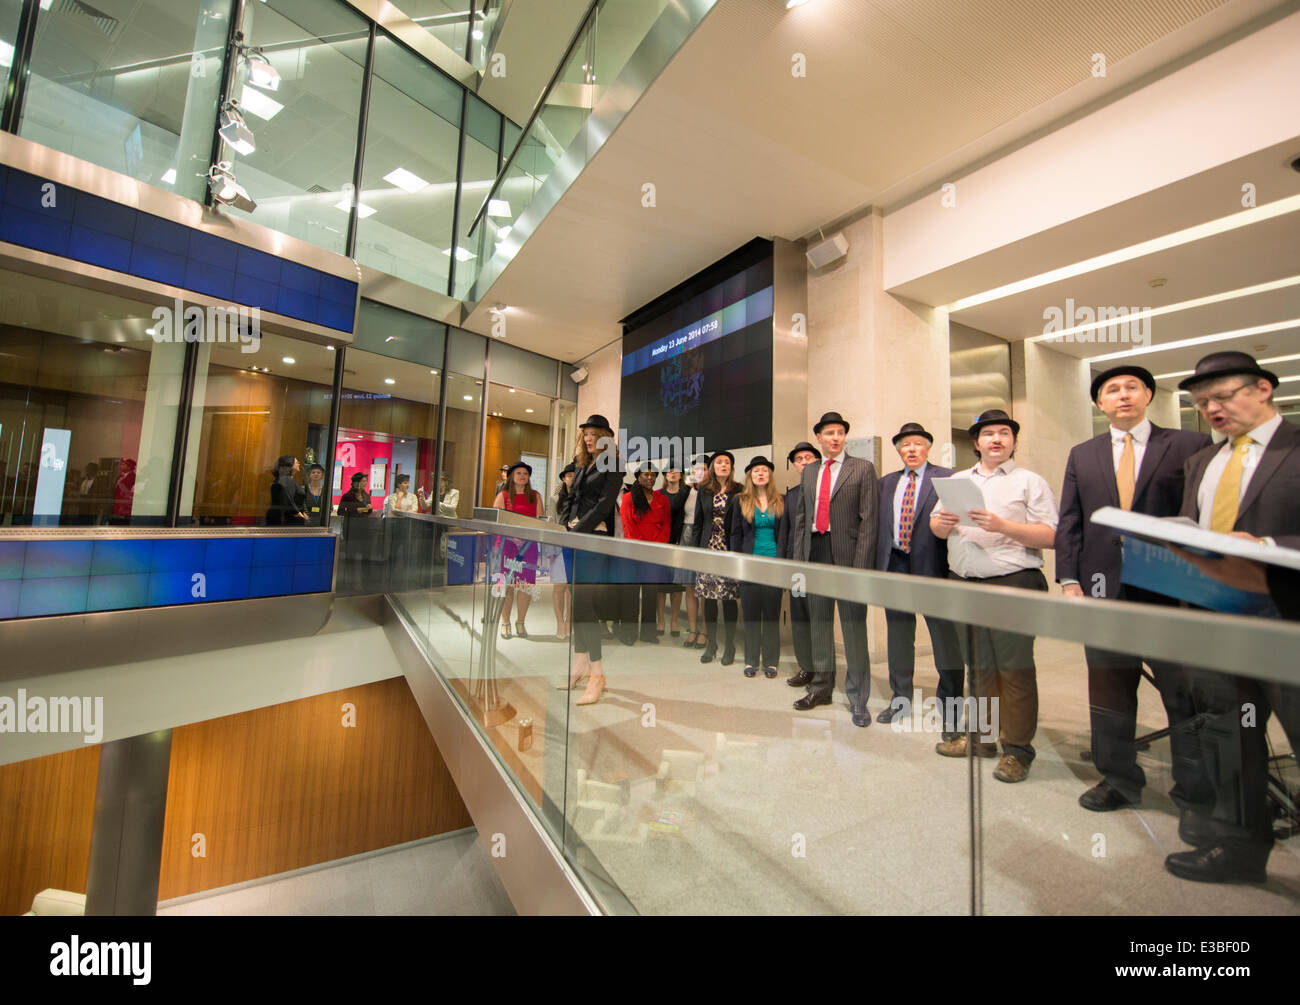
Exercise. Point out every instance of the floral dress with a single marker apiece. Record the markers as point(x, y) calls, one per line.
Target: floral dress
point(709, 587)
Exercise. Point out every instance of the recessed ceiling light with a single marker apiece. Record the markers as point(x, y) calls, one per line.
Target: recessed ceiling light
point(261, 105)
point(529, 411)
point(150, 331)
point(461, 254)
point(791, 4)
point(389, 380)
point(498, 207)
point(512, 390)
point(329, 348)
point(169, 176)
point(288, 359)
point(1199, 340)
point(405, 180)
point(389, 338)
point(363, 210)
point(434, 372)
point(469, 397)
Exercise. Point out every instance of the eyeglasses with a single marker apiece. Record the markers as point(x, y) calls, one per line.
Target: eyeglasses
point(1223, 398)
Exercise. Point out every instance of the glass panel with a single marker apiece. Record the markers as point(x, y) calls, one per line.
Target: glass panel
point(460, 457)
point(446, 20)
point(478, 172)
point(518, 429)
point(133, 88)
point(517, 367)
point(251, 409)
point(409, 179)
point(466, 352)
point(10, 12)
point(305, 130)
point(391, 332)
point(88, 407)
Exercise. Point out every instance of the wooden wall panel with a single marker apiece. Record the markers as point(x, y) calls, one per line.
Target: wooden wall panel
point(289, 786)
point(47, 806)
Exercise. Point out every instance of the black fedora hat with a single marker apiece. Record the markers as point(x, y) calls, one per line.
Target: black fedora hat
point(722, 453)
point(1226, 364)
point(804, 445)
point(830, 419)
point(994, 417)
point(568, 469)
point(597, 420)
point(1128, 370)
point(519, 464)
point(911, 429)
point(759, 461)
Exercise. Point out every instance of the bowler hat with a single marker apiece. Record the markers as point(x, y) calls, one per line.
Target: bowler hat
point(830, 418)
point(568, 469)
point(598, 421)
point(1128, 370)
point(759, 461)
point(1226, 364)
point(804, 445)
point(518, 464)
point(911, 429)
point(994, 417)
point(723, 453)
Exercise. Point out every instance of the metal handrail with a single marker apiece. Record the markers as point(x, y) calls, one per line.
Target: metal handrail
point(532, 117)
point(1254, 647)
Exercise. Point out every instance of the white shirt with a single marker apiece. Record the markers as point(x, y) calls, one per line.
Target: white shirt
point(1260, 436)
point(831, 468)
point(899, 491)
point(408, 504)
point(1141, 434)
point(1012, 493)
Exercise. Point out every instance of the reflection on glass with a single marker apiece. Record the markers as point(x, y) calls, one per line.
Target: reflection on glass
point(460, 449)
point(408, 185)
point(132, 88)
point(88, 405)
point(250, 410)
point(478, 172)
point(446, 20)
point(305, 130)
point(518, 429)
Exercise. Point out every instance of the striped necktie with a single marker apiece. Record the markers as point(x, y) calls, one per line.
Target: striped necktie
point(1227, 496)
point(907, 514)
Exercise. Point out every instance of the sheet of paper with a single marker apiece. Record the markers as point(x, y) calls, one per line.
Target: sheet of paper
point(960, 496)
point(1181, 531)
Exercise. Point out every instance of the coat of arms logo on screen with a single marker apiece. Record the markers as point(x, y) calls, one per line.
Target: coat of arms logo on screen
point(681, 381)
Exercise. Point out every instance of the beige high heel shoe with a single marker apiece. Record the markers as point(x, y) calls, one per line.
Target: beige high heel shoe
point(595, 688)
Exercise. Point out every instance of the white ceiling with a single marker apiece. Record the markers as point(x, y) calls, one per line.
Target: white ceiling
point(895, 95)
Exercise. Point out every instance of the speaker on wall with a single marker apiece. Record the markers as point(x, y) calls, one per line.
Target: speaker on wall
point(825, 252)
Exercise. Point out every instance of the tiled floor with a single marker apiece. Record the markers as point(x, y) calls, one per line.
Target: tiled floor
point(768, 810)
point(447, 875)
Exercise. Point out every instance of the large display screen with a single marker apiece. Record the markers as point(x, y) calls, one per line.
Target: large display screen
point(702, 367)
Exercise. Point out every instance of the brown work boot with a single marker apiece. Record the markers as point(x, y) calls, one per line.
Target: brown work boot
point(958, 748)
point(1011, 769)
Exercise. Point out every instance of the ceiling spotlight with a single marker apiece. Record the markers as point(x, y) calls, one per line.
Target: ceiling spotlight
point(790, 4)
point(329, 348)
point(260, 70)
point(528, 410)
point(468, 397)
point(233, 129)
point(288, 359)
point(389, 380)
point(227, 191)
point(512, 390)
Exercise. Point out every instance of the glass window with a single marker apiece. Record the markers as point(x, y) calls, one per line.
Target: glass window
point(409, 179)
point(388, 428)
point(479, 171)
point(250, 409)
point(10, 12)
point(518, 428)
point(517, 367)
point(460, 458)
point(396, 333)
point(132, 87)
point(305, 131)
point(447, 20)
point(88, 407)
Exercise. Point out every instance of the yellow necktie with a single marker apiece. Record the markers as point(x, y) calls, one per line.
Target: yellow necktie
point(1228, 494)
point(1124, 478)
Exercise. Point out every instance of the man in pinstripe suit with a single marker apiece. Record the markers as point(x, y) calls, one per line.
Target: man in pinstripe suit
point(836, 524)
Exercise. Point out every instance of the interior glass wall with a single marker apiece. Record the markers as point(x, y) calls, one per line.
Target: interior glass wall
point(10, 12)
point(408, 190)
point(249, 410)
point(305, 131)
point(88, 407)
point(478, 172)
point(460, 456)
point(518, 429)
point(131, 87)
point(446, 20)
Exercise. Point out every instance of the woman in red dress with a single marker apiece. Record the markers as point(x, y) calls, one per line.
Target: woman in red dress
point(647, 516)
point(518, 558)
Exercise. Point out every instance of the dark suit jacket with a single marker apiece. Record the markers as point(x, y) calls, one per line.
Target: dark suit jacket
point(592, 499)
point(855, 506)
point(786, 533)
point(929, 554)
point(1271, 505)
point(742, 531)
point(702, 528)
point(1085, 551)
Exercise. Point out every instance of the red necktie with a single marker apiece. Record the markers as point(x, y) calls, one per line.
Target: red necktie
point(907, 514)
point(824, 501)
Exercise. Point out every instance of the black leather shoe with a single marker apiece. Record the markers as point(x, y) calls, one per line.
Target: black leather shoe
point(1104, 797)
point(1196, 829)
point(1218, 863)
point(890, 712)
point(802, 679)
point(750, 672)
point(650, 638)
point(707, 655)
point(728, 656)
point(862, 717)
point(812, 701)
